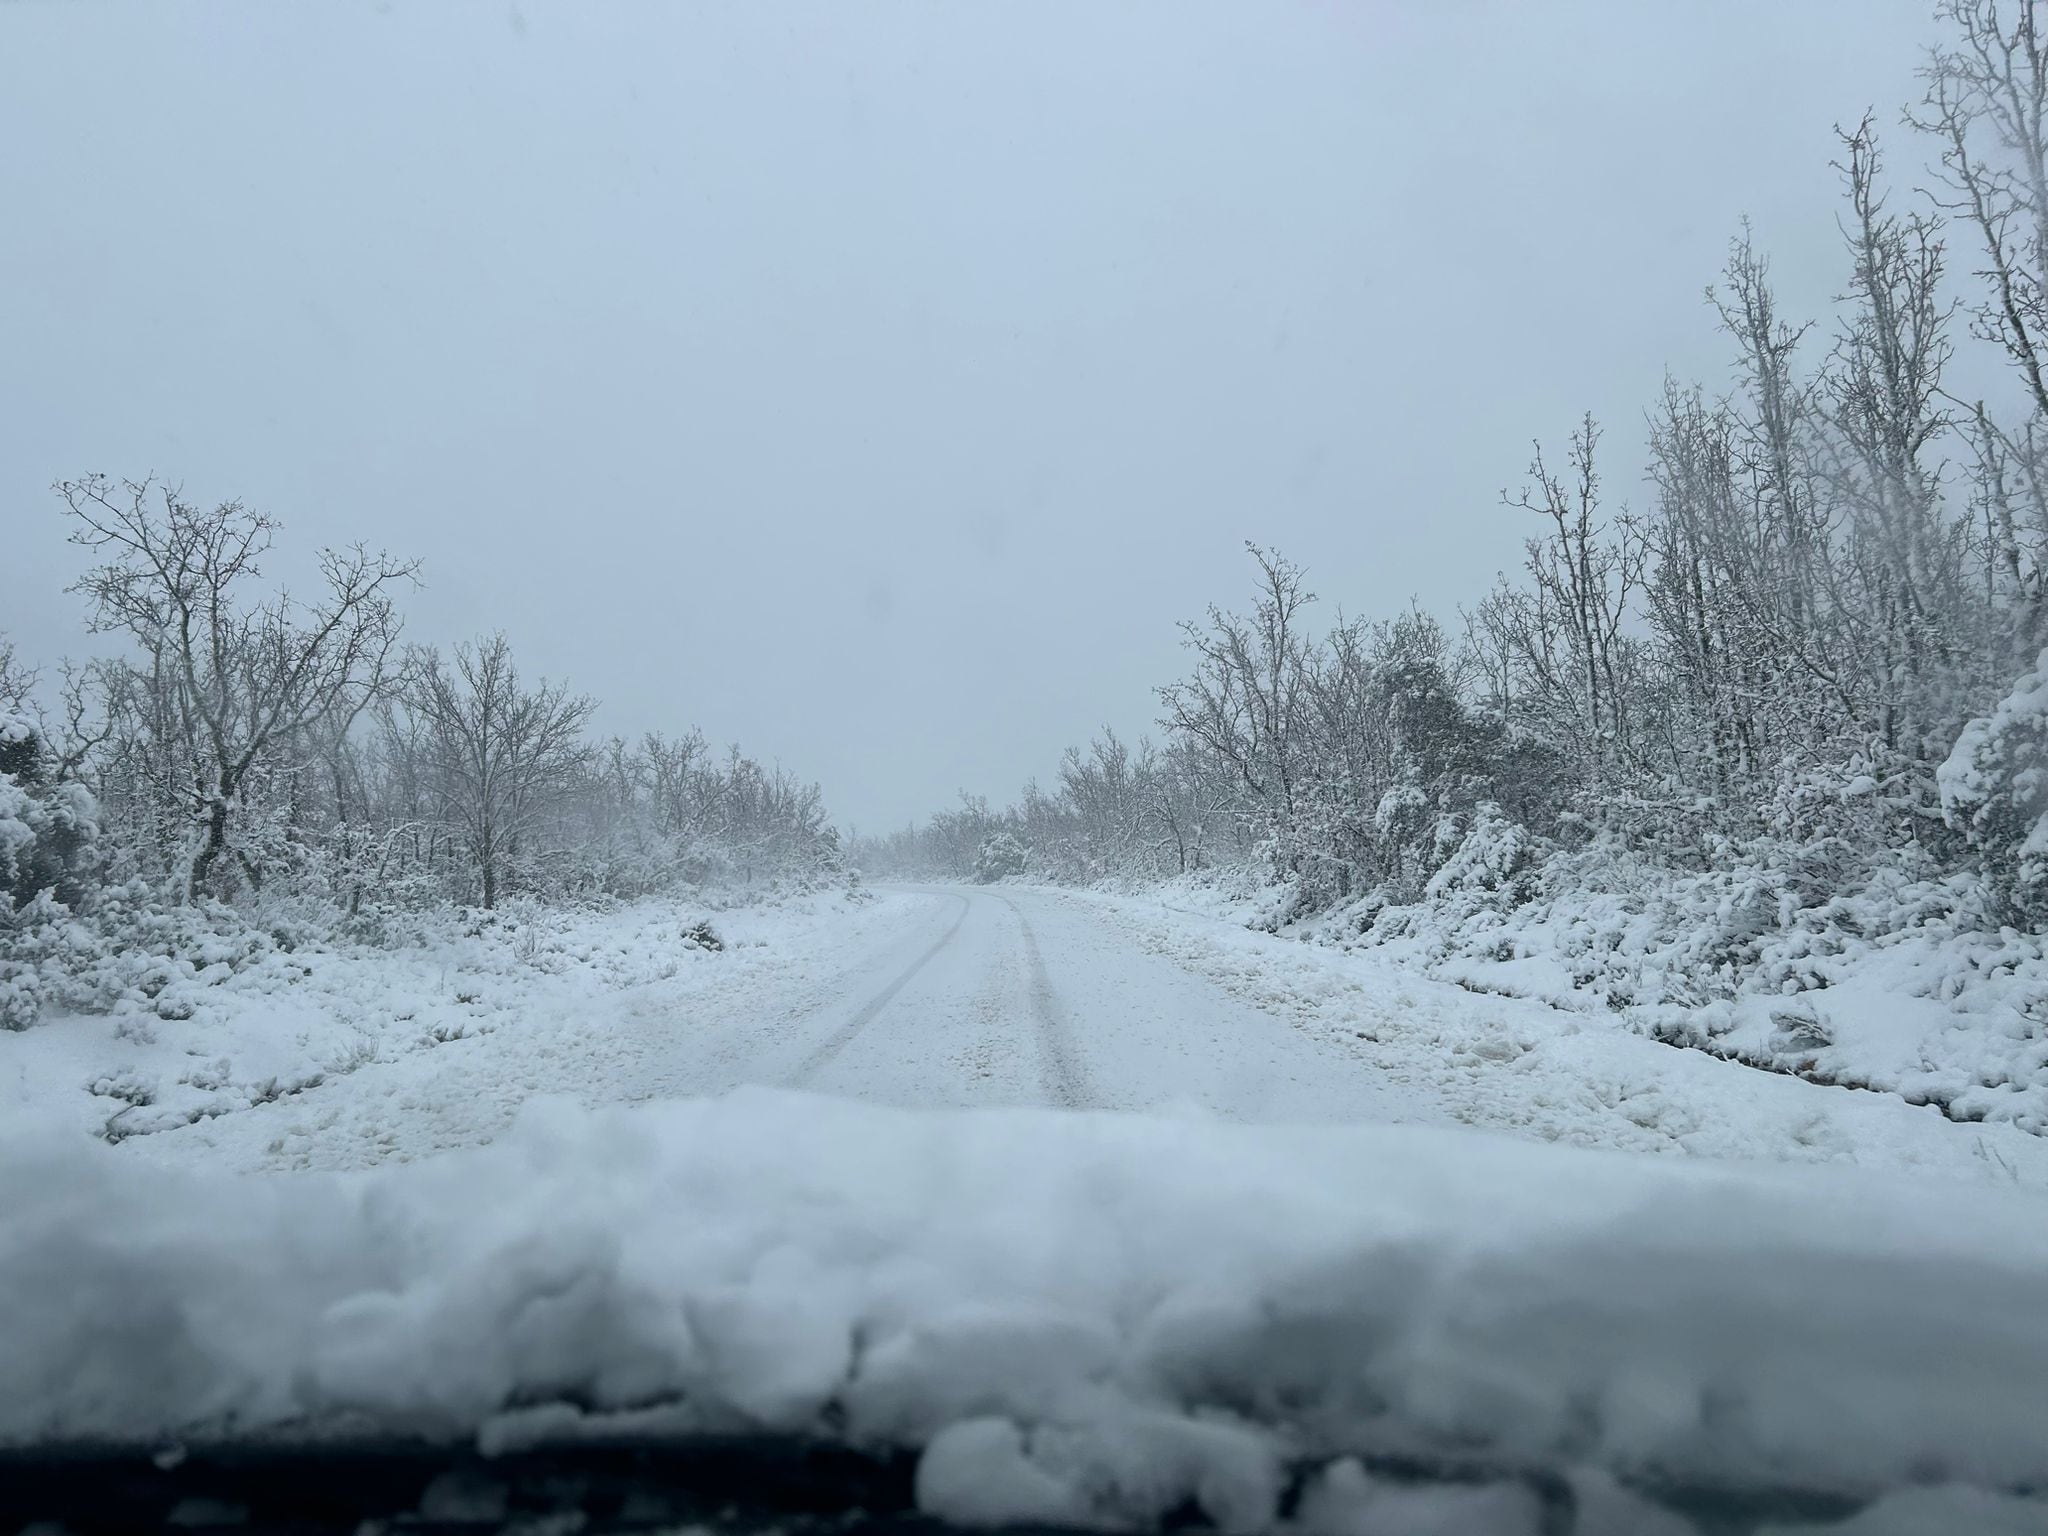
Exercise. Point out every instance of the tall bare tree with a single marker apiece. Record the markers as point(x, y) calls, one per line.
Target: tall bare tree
point(230, 682)
point(501, 752)
point(1246, 700)
point(1567, 630)
point(1888, 411)
point(1986, 105)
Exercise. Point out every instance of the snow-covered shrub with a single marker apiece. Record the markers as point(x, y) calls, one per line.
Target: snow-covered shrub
point(49, 832)
point(1864, 796)
point(1000, 857)
point(1994, 790)
point(49, 855)
point(1401, 821)
point(1493, 854)
point(30, 935)
point(21, 1001)
point(17, 835)
point(130, 951)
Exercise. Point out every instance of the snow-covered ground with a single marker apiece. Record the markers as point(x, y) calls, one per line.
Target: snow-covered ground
point(1534, 1067)
point(351, 1056)
point(942, 997)
point(1876, 977)
point(1295, 1245)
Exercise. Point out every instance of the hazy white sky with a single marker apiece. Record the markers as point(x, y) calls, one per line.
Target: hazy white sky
point(876, 384)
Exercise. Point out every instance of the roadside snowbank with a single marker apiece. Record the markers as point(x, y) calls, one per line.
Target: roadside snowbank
point(1894, 985)
point(208, 1027)
point(1873, 980)
point(1080, 1318)
point(1505, 1062)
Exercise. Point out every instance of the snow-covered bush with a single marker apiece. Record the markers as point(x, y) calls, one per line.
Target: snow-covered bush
point(17, 836)
point(49, 832)
point(1493, 854)
point(49, 856)
point(1000, 857)
point(1994, 790)
point(131, 950)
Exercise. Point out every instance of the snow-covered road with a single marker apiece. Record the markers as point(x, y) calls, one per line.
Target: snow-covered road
point(948, 997)
point(1020, 996)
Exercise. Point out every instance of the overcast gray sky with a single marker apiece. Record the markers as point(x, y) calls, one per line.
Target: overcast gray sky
point(876, 384)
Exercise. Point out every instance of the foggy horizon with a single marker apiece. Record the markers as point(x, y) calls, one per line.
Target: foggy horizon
point(902, 383)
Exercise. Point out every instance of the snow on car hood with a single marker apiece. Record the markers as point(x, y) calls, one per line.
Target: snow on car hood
point(1076, 1316)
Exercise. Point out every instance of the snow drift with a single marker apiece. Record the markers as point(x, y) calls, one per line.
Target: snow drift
point(1078, 1318)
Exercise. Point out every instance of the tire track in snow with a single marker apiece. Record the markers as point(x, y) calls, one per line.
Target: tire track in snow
point(1066, 1083)
point(842, 1037)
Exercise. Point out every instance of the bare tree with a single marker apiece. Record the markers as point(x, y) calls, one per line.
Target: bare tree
point(88, 724)
point(1246, 699)
point(1986, 104)
point(500, 751)
point(17, 681)
point(1887, 410)
point(231, 681)
point(1568, 629)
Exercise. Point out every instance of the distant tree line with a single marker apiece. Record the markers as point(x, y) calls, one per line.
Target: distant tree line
point(250, 745)
point(1810, 637)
